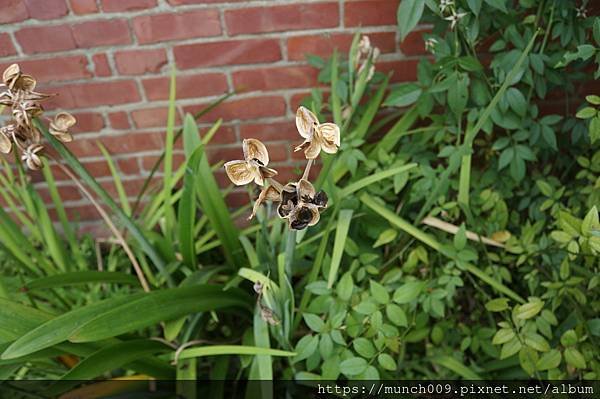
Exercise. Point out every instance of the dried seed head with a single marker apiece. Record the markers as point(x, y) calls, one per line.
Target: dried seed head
point(317, 136)
point(253, 167)
point(59, 127)
point(31, 156)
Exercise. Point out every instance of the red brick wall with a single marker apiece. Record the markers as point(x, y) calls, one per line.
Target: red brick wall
point(109, 62)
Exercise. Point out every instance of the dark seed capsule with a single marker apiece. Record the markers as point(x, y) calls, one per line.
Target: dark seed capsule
point(320, 199)
point(258, 161)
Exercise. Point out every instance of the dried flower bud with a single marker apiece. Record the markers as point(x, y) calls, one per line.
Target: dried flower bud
point(268, 316)
point(31, 156)
point(6, 134)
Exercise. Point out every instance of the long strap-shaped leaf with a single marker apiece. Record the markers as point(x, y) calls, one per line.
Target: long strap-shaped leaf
point(129, 224)
point(433, 243)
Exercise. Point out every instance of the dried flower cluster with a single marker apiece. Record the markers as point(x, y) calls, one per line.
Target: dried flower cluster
point(299, 203)
point(17, 91)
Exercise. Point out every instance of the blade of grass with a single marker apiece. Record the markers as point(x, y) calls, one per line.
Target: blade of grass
point(336, 106)
point(456, 366)
point(160, 159)
point(168, 163)
point(364, 182)
point(94, 185)
point(220, 350)
point(341, 232)
point(116, 178)
point(81, 277)
point(425, 238)
point(187, 211)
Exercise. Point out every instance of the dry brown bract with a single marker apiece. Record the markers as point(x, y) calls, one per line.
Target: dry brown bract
point(299, 203)
point(17, 92)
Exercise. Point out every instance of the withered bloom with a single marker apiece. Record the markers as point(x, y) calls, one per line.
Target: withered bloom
point(17, 92)
point(31, 156)
point(253, 167)
point(59, 127)
point(301, 204)
point(317, 136)
point(269, 193)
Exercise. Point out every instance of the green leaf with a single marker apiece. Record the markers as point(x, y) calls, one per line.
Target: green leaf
point(313, 322)
point(408, 292)
point(345, 286)
point(549, 360)
point(456, 366)
point(530, 309)
point(403, 95)
point(375, 177)
point(517, 101)
point(219, 350)
point(17, 319)
point(458, 94)
point(594, 326)
point(387, 362)
point(590, 221)
point(306, 347)
point(569, 338)
point(528, 359)
point(50, 332)
point(396, 315)
point(502, 336)
point(497, 305)
point(158, 306)
point(84, 277)
point(379, 292)
point(586, 113)
point(498, 4)
point(364, 347)
point(460, 238)
point(385, 237)
point(186, 213)
point(353, 366)
point(593, 99)
point(537, 342)
point(574, 358)
point(409, 15)
point(595, 129)
point(510, 348)
point(341, 232)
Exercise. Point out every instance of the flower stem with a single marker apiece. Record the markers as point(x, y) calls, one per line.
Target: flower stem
point(307, 169)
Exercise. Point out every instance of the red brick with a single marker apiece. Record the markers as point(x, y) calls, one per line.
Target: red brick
point(13, 11)
point(152, 117)
point(296, 99)
point(45, 39)
point(186, 2)
point(236, 199)
point(6, 45)
point(370, 12)
point(79, 212)
point(129, 143)
point(126, 5)
point(282, 18)
point(88, 122)
point(94, 94)
point(55, 69)
point(139, 62)
point(46, 9)
point(414, 44)
point(164, 27)
point(101, 33)
point(191, 86)
point(247, 108)
point(227, 53)
point(270, 131)
point(119, 120)
point(101, 65)
point(404, 71)
point(66, 193)
point(224, 135)
point(148, 161)
point(80, 7)
point(275, 78)
point(324, 44)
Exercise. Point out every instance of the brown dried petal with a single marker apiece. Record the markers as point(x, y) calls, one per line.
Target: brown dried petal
point(31, 158)
point(306, 122)
point(313, 149)
point(330, 134)
point(10, 74)
point(267, 172)
point(25, 82)
point(255, 150)
point(240, 172)
point(5, 143)
point(268, 193)
point(306, 191)
point(63, 121)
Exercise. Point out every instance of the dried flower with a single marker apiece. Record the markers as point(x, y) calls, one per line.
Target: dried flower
point(17, 92)
point(253, 167)
point(317, 136)
point(267, 315)
point(430, 44)
point(366, 56)
point(31, 156)
point(454, 18)
point(301, 204)
point(268, 193)
point(59, 127)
